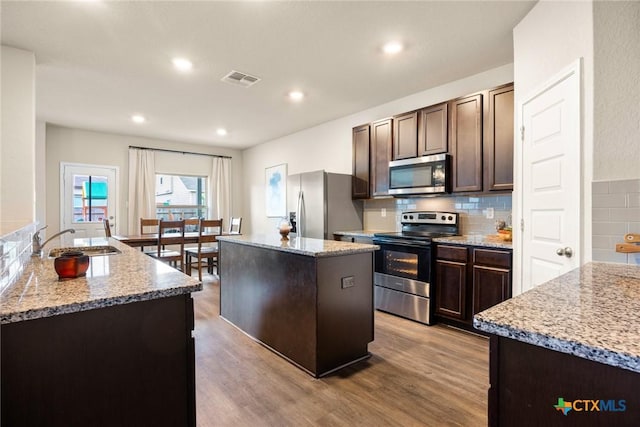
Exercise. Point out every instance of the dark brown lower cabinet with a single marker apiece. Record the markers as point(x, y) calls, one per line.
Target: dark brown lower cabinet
point(527, 382)
point(451, 281)
point(469, 280)
point(451, 291)
point(491, 278)
point(490, 287)
point(126, 365)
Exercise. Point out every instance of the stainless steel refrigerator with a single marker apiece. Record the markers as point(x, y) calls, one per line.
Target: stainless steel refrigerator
point(320, 203)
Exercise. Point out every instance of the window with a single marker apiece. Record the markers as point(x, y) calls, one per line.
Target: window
point(90, 198)
point(181, 197)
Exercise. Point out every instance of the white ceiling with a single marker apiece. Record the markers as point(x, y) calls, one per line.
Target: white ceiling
point(100, 62)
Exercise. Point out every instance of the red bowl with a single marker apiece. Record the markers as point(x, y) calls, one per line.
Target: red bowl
point(71, 265)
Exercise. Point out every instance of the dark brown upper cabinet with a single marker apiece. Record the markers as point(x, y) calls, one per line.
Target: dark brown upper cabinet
point(381, 151)
point(499, 139)
point(405, 136)
point(477, 130)
point(466, 143)
point(361, 148)
point(432, 130)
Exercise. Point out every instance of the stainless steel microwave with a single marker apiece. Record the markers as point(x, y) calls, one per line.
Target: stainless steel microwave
point(420, 175)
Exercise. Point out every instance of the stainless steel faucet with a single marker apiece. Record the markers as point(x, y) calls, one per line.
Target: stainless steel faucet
point(36, 246)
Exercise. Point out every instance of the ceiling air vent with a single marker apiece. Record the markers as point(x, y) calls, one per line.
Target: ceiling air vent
point(240, 79)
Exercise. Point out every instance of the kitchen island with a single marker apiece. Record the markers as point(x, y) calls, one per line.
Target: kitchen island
point(112, 348)
point(308, 300)
point(568, 351)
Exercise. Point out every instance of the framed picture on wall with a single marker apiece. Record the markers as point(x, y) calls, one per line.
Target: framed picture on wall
point(276, 190)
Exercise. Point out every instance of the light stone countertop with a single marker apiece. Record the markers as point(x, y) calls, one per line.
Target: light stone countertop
point(300, 245)
point(590, 312)
point(111, 280)
point(361, 233)
point(475, 240)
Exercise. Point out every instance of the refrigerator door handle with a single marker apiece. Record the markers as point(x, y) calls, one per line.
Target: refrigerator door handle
point(300, 217)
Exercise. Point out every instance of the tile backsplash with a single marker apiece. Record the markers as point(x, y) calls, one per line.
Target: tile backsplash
point(615, 212)
point(473, 211)
point(15, 251)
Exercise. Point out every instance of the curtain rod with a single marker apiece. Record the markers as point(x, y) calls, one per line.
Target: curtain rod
point(180, 152)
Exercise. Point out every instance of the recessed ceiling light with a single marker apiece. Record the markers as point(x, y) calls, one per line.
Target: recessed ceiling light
point(392, 48)
point(296, 95)
point(137, 118)
point(182, 64)
point(221, 131)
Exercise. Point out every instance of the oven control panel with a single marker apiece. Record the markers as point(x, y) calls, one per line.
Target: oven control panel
point(428, 217)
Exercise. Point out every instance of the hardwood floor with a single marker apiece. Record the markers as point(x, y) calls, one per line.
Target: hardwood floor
point(417, 376)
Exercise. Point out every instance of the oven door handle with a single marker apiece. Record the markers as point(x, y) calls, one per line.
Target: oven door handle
point(399, 242)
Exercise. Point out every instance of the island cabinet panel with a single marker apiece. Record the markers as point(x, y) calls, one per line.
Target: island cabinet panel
point(499, 139)
point(345, 310)
point(130, 364)
point(433, 130)
point(317, 312)
point(361, 148)
point(405, 136)
point(526, 382)
point(466, 143)
point(381, 153)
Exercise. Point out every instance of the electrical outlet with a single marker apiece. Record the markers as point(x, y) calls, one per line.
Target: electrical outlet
point(348, 282)
point(489, 213)
point(383, 212)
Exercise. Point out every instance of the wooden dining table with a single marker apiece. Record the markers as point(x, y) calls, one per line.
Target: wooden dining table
point(141, 240)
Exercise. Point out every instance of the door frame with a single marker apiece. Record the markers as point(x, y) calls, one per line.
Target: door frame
point(116, 170)
point(585, 171)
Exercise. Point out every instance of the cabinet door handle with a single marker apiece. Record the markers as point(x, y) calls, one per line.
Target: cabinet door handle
point(568, 252)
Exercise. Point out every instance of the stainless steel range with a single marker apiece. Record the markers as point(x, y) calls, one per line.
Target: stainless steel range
point(403, 265)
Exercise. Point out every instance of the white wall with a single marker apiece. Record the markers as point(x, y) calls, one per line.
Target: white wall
point(17, 144)
point(41, 174)
point(550, 38)
point(98, 148)
point(328, 146)
point(616, 150)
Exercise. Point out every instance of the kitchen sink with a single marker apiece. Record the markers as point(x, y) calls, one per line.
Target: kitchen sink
point(86, 250)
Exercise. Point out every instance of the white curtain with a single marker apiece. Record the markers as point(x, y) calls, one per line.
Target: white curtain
point(220, 190)
point(142, 187)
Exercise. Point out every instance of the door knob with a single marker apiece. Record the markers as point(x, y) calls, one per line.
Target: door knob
point(568, 252)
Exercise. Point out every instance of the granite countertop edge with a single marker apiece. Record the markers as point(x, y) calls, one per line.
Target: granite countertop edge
point(94, 304)
point(312, 247)
point(578, 313)
point(601, 355)
point(360, 233)
point(468, 240)
point(132, 277)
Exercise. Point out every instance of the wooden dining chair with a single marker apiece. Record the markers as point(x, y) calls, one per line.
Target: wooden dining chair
point(107, 227)
point(170, 233)
point(191, 224)
point(148, 226)
point(234, 225)
point(207, 248)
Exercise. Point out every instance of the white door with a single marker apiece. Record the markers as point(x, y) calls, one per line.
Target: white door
point(88, 196)
point(551, 179)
